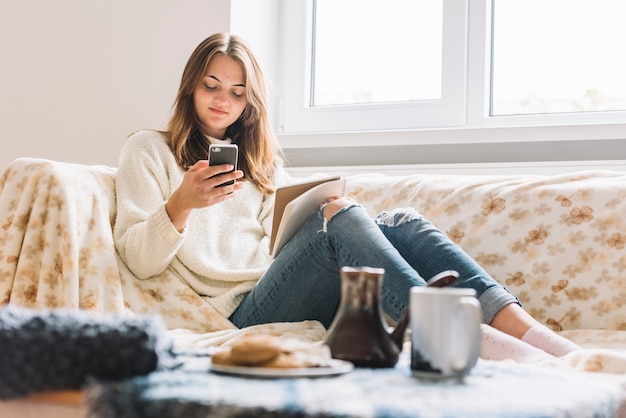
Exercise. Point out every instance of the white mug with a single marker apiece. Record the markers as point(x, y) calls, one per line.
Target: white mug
point(445, 331)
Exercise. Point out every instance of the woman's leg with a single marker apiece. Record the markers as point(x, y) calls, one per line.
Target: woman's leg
point(430, 251)
point(303, 282)
point(496, 345)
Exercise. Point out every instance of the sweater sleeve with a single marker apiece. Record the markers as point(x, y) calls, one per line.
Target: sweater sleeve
point(144, 236)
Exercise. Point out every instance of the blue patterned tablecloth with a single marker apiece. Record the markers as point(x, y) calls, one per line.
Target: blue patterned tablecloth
point(493, 389)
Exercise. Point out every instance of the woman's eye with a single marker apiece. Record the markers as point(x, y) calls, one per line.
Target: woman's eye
point(210, 87)
point(236, 94)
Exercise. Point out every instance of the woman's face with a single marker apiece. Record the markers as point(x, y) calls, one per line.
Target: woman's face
point(219, 98)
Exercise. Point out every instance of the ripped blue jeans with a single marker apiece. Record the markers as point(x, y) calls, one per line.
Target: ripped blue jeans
point(303, 282)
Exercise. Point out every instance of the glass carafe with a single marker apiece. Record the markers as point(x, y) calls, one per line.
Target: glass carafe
point(358, 332)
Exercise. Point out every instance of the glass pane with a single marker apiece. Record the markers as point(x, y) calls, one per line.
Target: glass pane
point(553, 56)
point(372, 51)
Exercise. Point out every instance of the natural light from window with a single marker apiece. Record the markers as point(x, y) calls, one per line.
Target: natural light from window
point(367, 65)
point(558, 56)
point(368, 51)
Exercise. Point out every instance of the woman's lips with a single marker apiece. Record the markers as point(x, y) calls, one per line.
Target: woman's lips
point(217, 111)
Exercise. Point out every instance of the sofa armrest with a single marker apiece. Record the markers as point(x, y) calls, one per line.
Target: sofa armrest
point(56, 234)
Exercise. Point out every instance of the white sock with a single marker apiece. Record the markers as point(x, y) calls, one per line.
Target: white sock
point(497, 345)
point(543, 338)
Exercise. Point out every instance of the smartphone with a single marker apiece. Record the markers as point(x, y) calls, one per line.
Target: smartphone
point(224, 154)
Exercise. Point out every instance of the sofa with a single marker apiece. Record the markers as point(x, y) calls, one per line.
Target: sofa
point(557, 241)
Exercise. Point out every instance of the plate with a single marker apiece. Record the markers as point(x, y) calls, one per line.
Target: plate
point(335, 367)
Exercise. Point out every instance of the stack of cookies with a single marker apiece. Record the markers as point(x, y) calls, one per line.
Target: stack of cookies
point(271, 352)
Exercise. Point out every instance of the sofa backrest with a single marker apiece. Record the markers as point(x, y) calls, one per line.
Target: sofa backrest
point(558, 242)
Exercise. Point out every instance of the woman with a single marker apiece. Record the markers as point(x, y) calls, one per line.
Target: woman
point(172, 217)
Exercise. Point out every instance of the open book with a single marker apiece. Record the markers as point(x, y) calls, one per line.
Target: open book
point(296, 203)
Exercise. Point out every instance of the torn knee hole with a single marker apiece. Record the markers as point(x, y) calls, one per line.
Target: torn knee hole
point(397, 217)
point(330, 213)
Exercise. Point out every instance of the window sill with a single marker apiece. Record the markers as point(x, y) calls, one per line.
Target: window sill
point(457, 145)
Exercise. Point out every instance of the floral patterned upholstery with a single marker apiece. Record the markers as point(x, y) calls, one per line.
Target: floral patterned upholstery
point(55, 236)
point(556, 241)
point(57, 251)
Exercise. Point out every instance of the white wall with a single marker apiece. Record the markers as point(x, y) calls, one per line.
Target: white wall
point(78, 76)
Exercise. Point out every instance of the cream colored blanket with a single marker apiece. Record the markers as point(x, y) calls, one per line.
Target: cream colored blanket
point(57, 251)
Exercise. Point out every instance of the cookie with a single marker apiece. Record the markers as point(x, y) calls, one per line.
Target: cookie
point(222, 357)
point(285, 361)
point(254, 350)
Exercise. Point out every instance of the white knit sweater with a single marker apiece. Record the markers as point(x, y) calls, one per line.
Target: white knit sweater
point(223, 250)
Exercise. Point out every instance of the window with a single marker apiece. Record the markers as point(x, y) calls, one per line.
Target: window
point(366, 65)
point(359, 65)
point(367, 62)
point(558, 56)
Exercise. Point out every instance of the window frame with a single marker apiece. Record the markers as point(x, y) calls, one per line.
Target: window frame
point(297, 116)
point(465, 120)
point(479, 80)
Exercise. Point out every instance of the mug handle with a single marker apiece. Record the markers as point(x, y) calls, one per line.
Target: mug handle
point(468, 310)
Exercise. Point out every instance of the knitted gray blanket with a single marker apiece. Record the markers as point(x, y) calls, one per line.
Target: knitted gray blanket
point(53, 350)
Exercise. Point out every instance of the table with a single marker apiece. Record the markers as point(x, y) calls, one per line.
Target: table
point(493, 389)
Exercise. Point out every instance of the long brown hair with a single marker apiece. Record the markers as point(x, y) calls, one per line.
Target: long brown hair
point(259, 153)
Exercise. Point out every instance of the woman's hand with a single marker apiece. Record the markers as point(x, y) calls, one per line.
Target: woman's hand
point(201, 188)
